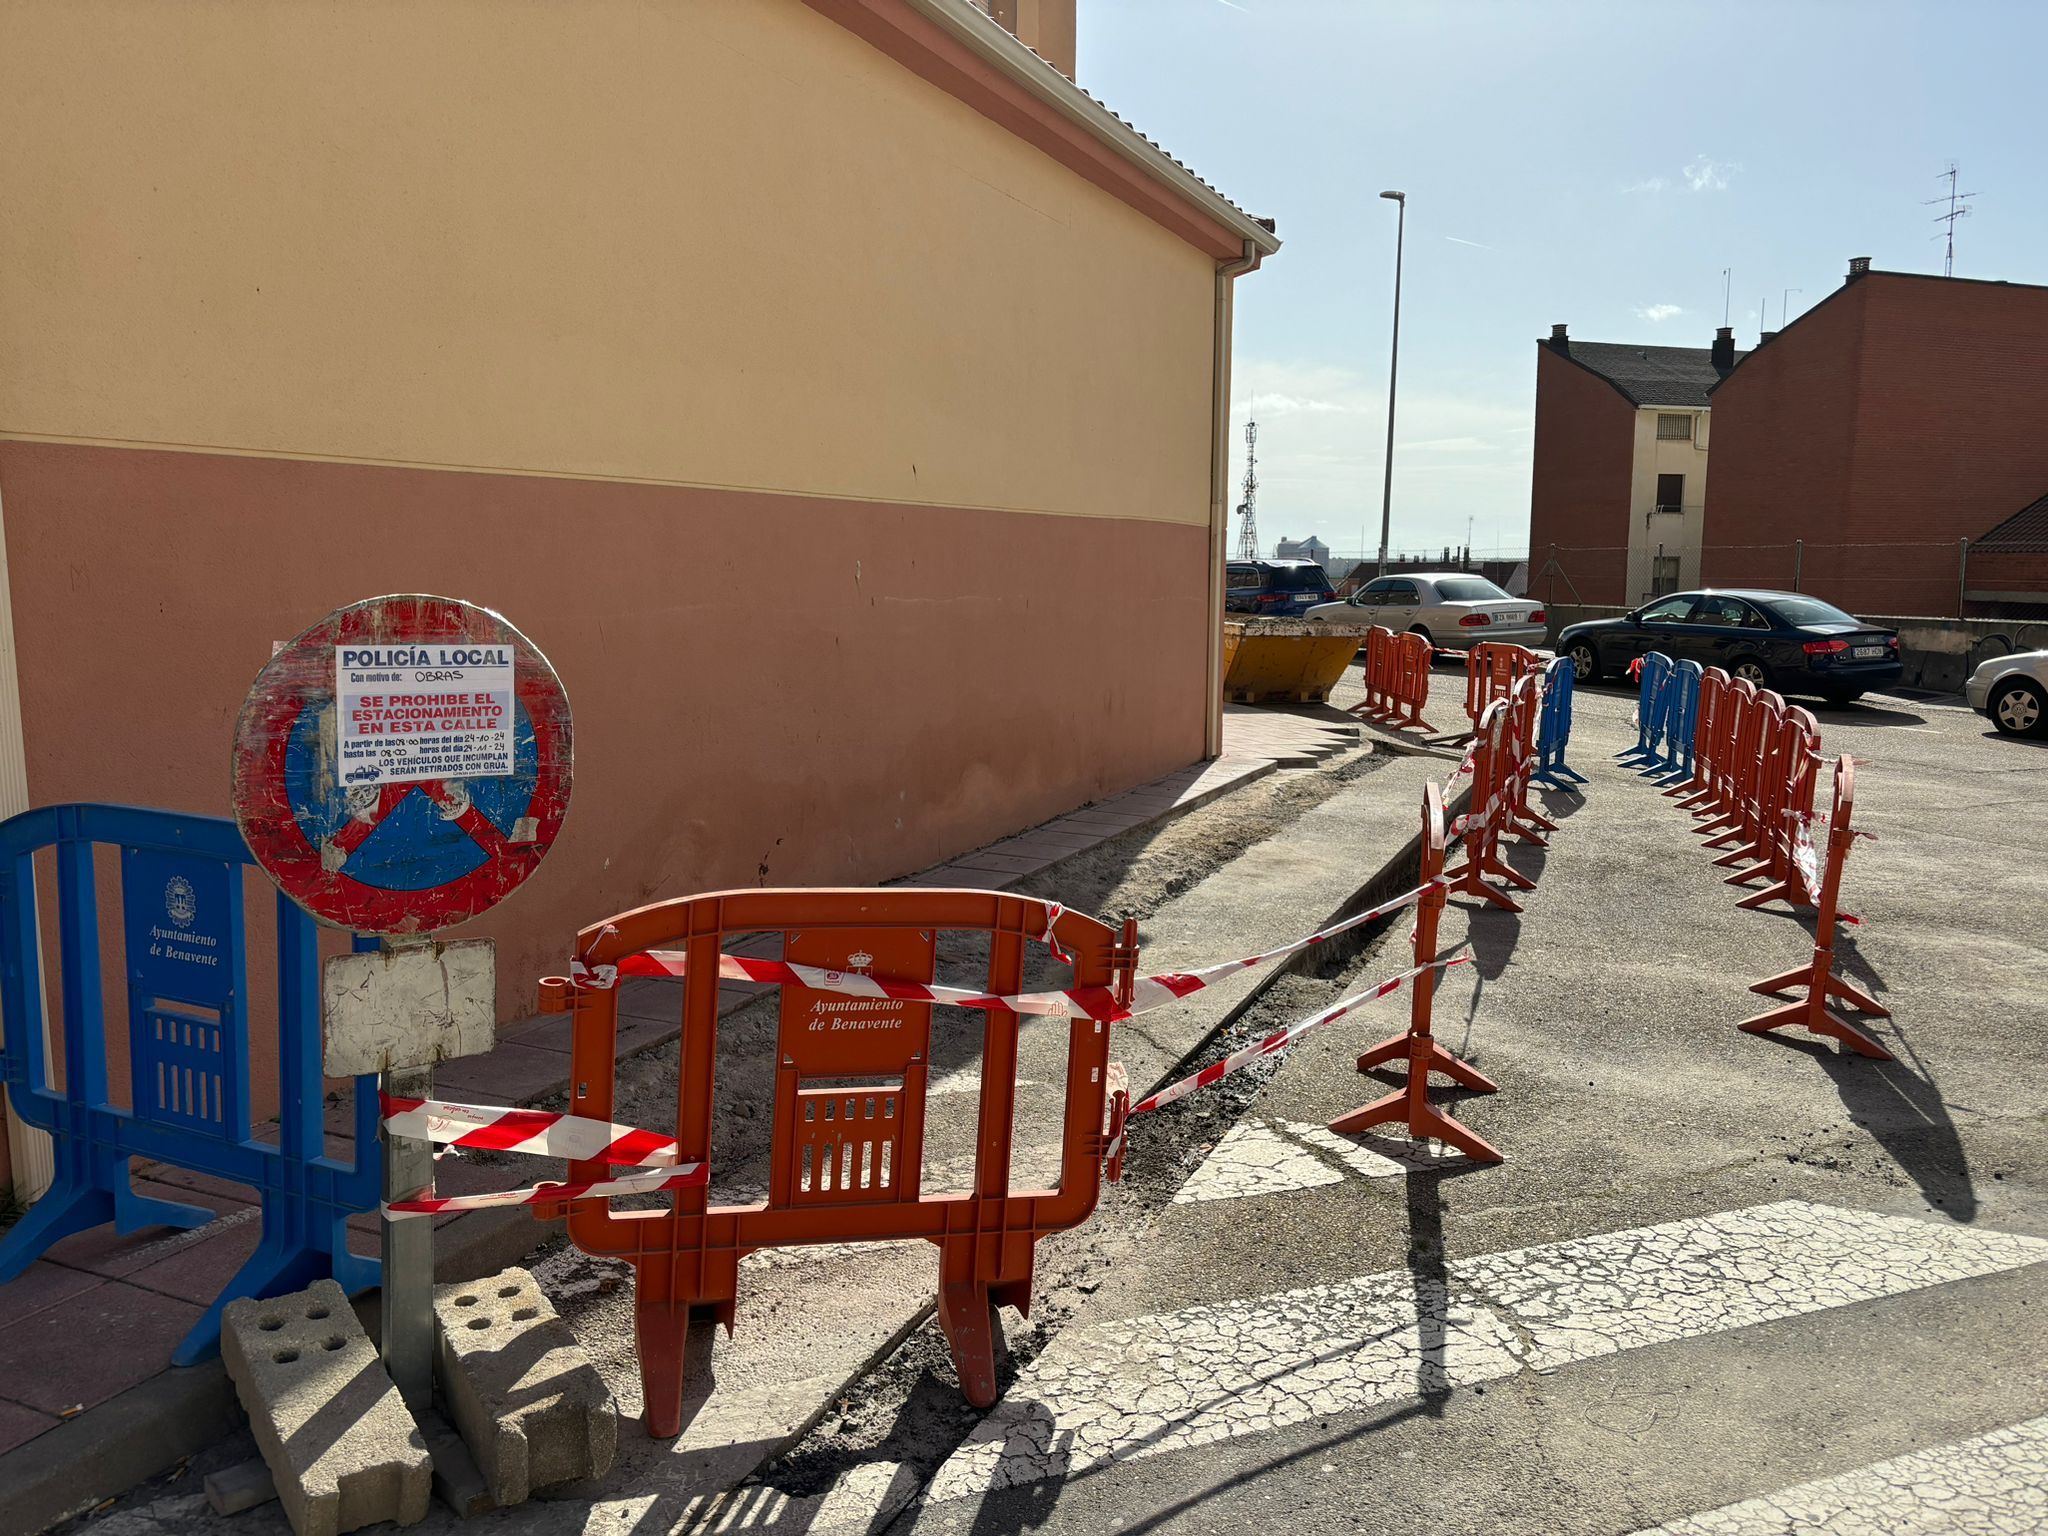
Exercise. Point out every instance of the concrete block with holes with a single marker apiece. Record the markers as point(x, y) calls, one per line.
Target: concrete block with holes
point(527, 1401)
point(337, 1437)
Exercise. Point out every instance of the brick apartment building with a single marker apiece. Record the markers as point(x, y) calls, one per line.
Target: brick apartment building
point(1896, 418)
point(1617, 497)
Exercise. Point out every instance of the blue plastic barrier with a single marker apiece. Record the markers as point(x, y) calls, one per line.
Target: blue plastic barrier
point(1652, 699)
point(1681, 719)
point(1554, 728)
point(189, 1067)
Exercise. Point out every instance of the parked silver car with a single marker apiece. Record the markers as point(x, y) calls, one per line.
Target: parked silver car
point(2013, 691)
point(1455, 609)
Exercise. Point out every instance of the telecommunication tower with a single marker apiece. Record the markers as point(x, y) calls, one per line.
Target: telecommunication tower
point(1247, 510)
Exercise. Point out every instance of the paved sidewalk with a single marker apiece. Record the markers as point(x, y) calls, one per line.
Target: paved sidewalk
point(136, 1296)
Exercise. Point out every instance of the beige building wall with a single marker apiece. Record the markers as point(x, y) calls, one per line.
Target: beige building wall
point(1651, 532)
point(722, 243)
point(850, 456)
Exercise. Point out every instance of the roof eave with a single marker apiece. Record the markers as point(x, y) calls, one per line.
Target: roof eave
point(992, 46)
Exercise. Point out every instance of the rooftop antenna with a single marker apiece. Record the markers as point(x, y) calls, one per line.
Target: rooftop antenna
point(1958, 204)
point(1248, 529)
point(1727, 287)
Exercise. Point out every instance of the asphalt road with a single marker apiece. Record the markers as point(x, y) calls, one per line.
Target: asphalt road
point(1722, 1283)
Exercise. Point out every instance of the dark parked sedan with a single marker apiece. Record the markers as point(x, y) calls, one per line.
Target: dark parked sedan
point(1783, 640)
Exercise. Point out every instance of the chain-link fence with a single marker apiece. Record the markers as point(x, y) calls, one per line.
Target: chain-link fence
point(1927, 579)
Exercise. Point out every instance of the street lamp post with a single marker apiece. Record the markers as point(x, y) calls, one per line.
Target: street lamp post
point(1400, 200)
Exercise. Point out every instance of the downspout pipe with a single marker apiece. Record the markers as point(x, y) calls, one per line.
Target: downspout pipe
point(1227, 274)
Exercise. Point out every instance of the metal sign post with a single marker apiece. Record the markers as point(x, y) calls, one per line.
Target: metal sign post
point(400, 767)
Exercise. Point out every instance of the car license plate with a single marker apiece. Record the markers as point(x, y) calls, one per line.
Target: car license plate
point(1867, 652)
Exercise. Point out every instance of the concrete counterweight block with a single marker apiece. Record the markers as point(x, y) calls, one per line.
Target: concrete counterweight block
point(333, 1430)
point(528, 1403)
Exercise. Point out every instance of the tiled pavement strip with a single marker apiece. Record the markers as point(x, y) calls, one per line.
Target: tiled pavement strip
point(139, 1294)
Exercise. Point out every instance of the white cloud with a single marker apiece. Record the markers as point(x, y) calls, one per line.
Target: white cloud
point(1705, 174)
point(1655, 312)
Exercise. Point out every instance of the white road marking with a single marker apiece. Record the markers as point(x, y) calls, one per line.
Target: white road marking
point(1993, 1485)
point(1273, 1157)
point(1174, 1381)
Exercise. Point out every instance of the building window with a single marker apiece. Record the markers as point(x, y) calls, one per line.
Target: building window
point(1663, 574)
point(1670, 493)
point(1674, 429)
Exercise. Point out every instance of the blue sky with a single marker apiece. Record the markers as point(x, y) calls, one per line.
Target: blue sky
point(1597, 164)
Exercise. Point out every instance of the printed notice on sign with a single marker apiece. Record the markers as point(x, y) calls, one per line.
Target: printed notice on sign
point(413, 712)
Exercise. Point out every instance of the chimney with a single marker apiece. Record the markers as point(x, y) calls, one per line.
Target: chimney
point(1559, 341)
point(1764, 337)
point(1859, 266)
point(1044, 26)
point(1724, 347)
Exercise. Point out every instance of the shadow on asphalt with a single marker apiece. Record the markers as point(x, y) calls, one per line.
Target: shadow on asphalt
point(1430, 1270)
point(1898, 1103)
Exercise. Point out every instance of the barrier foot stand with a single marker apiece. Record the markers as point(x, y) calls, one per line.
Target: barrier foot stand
point(1784, 890)
point(1713, 821)
point(1744, 876)
point(974, 1333)
point(1432, 1059)
point(1686, 790)
point(1848, 992)
point(1473, 885)
point(1813, 1013)
point(1410, 1106)
point(1535, 818)
point(1748, 853)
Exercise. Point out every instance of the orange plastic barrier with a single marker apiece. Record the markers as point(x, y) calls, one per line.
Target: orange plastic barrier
point(1397, 672)
point(1715, 808)
point(1492, 667)
point(1743, 824)
point(849, 1109)
point(1410, 1104)
point(1492, 813)
point(1785, 808)
point(1525, 709)
point(1818, 975)
point(1706, 738)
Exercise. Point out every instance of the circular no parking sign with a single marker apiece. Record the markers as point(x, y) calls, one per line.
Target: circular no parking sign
point(403, 764)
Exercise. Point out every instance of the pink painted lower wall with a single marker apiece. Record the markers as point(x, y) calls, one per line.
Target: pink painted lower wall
point(766, 689)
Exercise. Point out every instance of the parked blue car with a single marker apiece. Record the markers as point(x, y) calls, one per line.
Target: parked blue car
point(1274, 589)
point(1788, 641)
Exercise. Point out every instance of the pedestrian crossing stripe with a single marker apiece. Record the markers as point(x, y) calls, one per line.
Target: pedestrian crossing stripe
point(1257, 1157)
point(1219, 1371)
point(1995, 1483)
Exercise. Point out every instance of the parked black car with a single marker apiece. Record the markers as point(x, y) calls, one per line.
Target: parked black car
point(1274, 589)
point(1783, 640)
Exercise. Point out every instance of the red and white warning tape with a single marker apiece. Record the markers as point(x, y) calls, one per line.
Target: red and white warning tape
point(1098, 1002)
point(1279, 1040)
point(489, 1127)
point(644, 1183)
